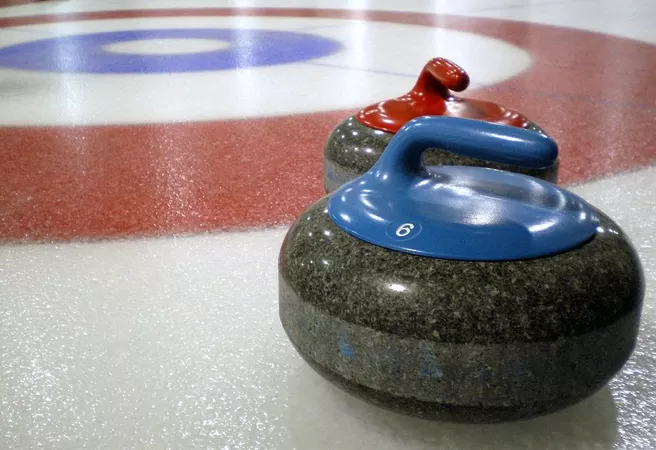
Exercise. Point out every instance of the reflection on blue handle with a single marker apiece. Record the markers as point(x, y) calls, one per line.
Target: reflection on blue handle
point(464, 213)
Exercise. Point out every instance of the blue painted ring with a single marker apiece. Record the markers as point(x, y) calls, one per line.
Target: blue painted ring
point(86, 54)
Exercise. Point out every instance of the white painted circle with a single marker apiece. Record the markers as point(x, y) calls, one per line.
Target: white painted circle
point(166, 46)
point(378, 61)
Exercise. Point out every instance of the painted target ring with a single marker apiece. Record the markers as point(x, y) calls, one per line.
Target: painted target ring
point(130, 56)
point(238, 49)
point(111, 179)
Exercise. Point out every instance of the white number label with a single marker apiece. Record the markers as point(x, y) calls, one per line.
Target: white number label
point(404, 229)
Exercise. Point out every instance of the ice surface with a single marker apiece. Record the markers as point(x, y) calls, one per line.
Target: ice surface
point(177, 343)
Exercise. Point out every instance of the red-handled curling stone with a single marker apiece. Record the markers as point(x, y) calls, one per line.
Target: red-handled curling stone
point(357, 143)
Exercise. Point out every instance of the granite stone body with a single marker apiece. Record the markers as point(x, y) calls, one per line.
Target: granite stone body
point(353, 148)
point(470, 341)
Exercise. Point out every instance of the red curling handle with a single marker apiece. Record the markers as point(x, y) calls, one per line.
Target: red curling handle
point(431, 96)
point(440, 73)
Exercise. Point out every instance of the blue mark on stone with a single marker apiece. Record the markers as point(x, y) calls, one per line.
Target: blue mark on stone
point(331, 174)
point(394, 366)
point(345, 349)
point(247, 48)
point(486, 374)
point(428, 365)
point(431, 371)
point(519, 367)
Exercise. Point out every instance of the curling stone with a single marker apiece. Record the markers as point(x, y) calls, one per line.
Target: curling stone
point(461, 293)
point(356, 143)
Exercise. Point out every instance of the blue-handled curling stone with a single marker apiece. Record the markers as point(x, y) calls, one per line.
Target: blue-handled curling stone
point(461, 293)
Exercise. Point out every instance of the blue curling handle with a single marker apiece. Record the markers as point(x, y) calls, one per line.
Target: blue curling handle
point(458, 212)
point(467, 137)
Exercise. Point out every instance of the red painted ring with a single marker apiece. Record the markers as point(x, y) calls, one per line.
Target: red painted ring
point(594, 96)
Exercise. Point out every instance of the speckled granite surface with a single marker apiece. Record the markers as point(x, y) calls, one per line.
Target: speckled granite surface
point(464, 341)
point(353, 148)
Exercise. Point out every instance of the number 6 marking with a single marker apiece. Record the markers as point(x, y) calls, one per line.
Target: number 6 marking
point(404, 229)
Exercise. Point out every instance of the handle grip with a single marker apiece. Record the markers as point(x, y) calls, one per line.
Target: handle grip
point(432, 95)
point(473, 138)
point(439, 75)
